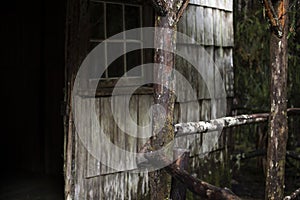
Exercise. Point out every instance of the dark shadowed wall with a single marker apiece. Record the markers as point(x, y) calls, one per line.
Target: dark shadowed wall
point(32, 81)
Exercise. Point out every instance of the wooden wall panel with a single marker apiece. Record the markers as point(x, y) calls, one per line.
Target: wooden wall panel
point(219, 60)
point(131, 129)
point(228, 69)
point(202, 67)
point(219, 74)
point(218, 27)
point(94, 180)
point(212, 29)
point(144, 119)
point(208, 26)
point(108, 126)
point(219, 4)
point(198, 76)
point(209, 66)
point(182, 67)
point(80, 168)
point(199, 21)
point(227, 32)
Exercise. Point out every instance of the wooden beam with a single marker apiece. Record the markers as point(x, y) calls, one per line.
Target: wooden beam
point(197, 186)
point(188, 128)
point(178, 189)
point(294, 195)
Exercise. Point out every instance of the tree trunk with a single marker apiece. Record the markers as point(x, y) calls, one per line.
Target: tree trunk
point(168, 14)
point(164, 97)
point(278, 129)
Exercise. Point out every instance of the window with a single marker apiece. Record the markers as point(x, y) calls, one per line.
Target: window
point(110, 18)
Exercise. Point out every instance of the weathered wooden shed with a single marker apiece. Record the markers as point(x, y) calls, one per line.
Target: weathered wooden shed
point(210, 24)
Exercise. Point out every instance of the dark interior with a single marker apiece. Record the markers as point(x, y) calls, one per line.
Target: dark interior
point(32, 82)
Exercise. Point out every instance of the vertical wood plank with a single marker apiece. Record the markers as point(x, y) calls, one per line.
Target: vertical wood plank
point(182, 66)
point(208, 26)
point(229, 72)
point(218, 23)
point(205, 110)
point(228, 5)
point(227, 36)
point(131, 130)
point(219, 60)
point(202, 67)
point(190, 74)
point(144, 119)
point(182, 117)
point(190, 23)
point(193, 76)
point(209, 65)
point(108, 126)
point(219, 72)
point(80, 159)
point(210, 140)
point(81, 153)
point(182, 25)
point(93, 164)
point(193, 115)
point(199, 21)
point(119, 104)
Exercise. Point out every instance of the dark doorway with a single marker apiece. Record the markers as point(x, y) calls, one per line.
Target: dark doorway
point(32, 81)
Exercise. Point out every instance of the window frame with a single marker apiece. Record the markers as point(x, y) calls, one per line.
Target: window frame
point(106, 84)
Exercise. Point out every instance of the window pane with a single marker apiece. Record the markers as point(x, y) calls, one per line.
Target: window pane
point(132, 20)
point(114, 19)
point(97, 20)
point(133, 59)
point(116, 68)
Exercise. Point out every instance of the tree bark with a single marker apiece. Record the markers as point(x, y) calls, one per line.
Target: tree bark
point(167, 16)
point(183, 129)
point(189, 128)
point(164, 99)
point(278, 128)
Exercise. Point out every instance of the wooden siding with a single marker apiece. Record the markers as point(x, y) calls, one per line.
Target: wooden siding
point(93, 179)
point(212, 31)
point(210, 24)
point(219, 4)
point(96, 181)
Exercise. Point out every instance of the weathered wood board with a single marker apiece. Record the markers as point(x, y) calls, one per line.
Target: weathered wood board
point(210, 24)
